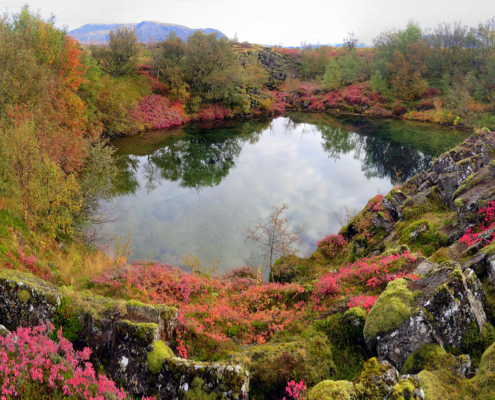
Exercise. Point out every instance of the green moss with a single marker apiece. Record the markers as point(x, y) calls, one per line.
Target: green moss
point(404, 389)
point(459, 202)
point(272, 365)
point(391, 309)
point(423, 235)
point(475, 344)
point(196, 392)
point(370, 386)
point(347, 341)
point(330, 390)
point(441, 255)
point(143, 330)
point(489, 250)
point(358, 312)
point(67, 318)
point(431, 356)
point(438, 385)
point(155, 358)
point(135, 303)
point(23, 296)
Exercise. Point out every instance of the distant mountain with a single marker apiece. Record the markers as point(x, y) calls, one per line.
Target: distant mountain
point(313, 46)
point(146, 31)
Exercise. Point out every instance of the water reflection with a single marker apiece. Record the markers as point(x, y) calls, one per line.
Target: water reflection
point(197, 189)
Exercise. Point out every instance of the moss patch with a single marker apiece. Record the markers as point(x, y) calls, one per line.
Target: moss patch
point(155, 358)
point(391, 309)
point(330, 390)
point(196, 392)
point(431, 356)
point(23, 296)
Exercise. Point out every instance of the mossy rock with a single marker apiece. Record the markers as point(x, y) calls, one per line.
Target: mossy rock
point(196, 392)
point(422, 235)
point(391, 310)
point(272, 365)
point(407, 388)
point(155, 358)
point(375, 380)
point(431, 356)
point(332, 390)
point(437, 387)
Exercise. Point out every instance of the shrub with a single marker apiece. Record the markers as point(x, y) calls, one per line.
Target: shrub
point(31, 367)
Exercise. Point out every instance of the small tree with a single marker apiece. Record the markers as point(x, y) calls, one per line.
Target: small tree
point(119, 57)
point(350, 41)
point(274, 235)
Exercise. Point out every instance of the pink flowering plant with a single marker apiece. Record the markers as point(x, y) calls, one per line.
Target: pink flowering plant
point(32, 366)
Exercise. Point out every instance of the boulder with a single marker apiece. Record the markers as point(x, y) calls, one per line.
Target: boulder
point(440, 308)
point(379, 380)
point(128, 339)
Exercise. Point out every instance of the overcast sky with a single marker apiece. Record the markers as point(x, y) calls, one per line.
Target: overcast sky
point(285, 22)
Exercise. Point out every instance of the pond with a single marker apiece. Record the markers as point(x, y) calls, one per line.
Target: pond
point(197, 189)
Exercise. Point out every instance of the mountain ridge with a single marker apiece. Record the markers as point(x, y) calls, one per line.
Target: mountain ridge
point(146, 31)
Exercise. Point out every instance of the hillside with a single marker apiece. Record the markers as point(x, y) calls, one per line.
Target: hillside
point(146, 31)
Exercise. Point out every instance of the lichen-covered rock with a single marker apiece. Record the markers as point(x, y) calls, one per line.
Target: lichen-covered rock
point(128, 339)
point(408, 388)
point(177, 376)
point(441, 308)
point(377, 380)
point(26, 300)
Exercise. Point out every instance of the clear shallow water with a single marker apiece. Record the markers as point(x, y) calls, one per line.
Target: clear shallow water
point(197, 189)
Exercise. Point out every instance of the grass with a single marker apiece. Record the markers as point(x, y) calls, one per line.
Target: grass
point(74, 264)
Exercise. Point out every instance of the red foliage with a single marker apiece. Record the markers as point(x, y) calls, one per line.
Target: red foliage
point(363, 301)
point(482, 234)
point(156, 113)
point(215, 111)
point(218, 307)
point(159, 88)
point(331, 245)
point(368, 273)
point(431, 92)
point(30, 363)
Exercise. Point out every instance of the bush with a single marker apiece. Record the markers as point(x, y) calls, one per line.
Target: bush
point(32, 368)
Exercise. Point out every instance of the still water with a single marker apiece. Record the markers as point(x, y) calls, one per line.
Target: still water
point(197, 189)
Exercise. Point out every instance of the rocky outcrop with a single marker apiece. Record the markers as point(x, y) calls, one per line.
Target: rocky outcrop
point(278, 66)
point(121, 336)
point(460, 180)
point(440, 308)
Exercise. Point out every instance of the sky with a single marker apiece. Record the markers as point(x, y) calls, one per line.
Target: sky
point(281, 22)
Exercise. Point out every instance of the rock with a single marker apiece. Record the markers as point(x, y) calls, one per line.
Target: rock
point(26, 300)
point(491, 269)
point(464, 364)
point(440, 308)
point(4, 331)
point(123, 336)
point(477, 263)
point(424, 267)
point(408, 388)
